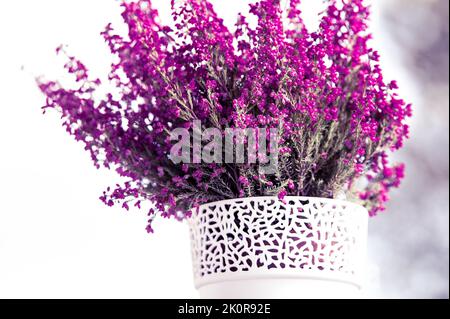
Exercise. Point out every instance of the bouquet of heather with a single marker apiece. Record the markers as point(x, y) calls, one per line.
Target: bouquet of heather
point(195, 107)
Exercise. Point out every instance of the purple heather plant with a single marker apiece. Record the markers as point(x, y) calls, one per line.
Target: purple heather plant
point(337, 116)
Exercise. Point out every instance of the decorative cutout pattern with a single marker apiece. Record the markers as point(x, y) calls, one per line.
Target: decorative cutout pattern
point(264, 234)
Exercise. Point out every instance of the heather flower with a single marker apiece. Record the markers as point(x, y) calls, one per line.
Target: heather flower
point(324, 91)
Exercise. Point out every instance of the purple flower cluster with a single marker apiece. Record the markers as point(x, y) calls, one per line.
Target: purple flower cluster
point(337, 116)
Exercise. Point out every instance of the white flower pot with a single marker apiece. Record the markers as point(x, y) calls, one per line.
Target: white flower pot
point(257, 248)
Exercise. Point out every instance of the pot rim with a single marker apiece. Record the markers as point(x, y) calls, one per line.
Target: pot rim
point(322, 199)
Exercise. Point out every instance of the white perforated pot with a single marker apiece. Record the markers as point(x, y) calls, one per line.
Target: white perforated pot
point(258, 248)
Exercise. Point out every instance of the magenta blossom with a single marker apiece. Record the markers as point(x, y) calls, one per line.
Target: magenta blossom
point(338, 118)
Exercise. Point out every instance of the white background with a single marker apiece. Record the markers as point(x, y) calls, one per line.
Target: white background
point(57, 240)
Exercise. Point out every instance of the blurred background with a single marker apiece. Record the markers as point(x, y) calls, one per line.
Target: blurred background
point(410, 243)
point(58, 241)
